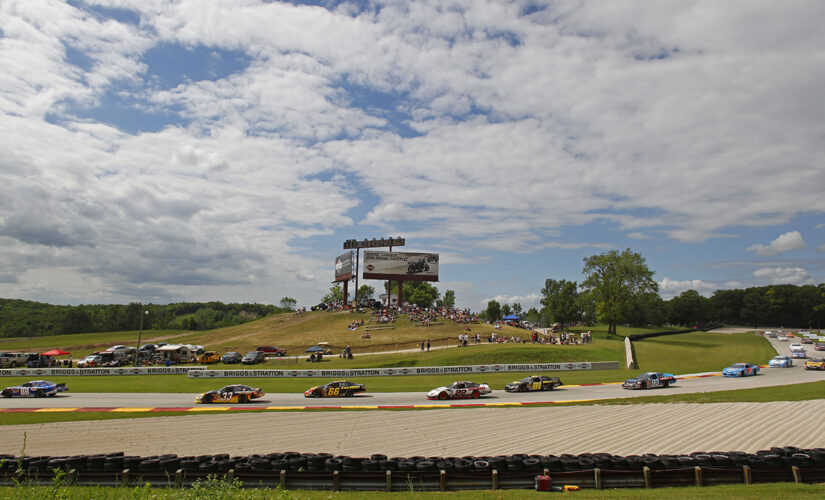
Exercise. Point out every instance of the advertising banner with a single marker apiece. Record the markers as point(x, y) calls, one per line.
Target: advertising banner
point(123, 370)
point(400, 266)
point(343, 266)
point(417, 370)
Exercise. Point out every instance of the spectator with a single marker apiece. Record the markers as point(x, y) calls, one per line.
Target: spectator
point(428, 345)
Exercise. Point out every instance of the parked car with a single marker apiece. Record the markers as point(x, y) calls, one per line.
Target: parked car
point(12, 359)
point(781, 362)
point(338, 388)
point(534, 383)
point(815, 364)
point(460, 390)
point(649, 380)
point(209, 357)
point(91, 361)
point(254, 357)
point(320, 307)
point(232, 358)
point(741, 370)
point(272, 349)
point(236, 393)
point(34, 389)
point(148, 348)
point(35, 360)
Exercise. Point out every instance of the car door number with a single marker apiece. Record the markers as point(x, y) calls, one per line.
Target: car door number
point(24, 391)
point(333, 391)
point(536, 386)
point(226, 396)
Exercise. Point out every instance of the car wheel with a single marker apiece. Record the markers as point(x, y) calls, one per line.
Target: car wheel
point(39, 393)
point(643, 385)
point(665, 384)
point(6, 394)
point(317, 394)
point(243, 399)
point(442, 396)
point(14, 364)
point(475, 395)
point(208, 398)
point(521, 388)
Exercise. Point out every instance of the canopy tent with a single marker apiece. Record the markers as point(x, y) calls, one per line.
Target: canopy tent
point(315, 348)
point(55, 352)
point(511, 317)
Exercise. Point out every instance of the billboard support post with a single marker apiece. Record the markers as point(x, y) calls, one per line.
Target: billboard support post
point(357, 256)
point(400, 294)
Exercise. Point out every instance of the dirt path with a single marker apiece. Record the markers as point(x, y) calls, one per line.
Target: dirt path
point(622, 430)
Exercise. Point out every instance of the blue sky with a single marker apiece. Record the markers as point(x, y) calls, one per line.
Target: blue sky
point(208, 150)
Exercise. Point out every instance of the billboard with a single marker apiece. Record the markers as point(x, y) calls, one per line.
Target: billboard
point(343, 266)
point(400, 266)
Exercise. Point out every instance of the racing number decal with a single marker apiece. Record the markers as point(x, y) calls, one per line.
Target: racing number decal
point(226, 396)
point(24, 391)
point(333, 391)
point(536, 386)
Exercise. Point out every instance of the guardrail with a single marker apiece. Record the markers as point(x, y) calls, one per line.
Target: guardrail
point(123, 370)
point(437, 480)
point(414, 370)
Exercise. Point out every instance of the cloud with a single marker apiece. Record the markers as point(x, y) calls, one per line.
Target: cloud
point(786, 242)
point(783, 275)
point(669, 288)
point(526, 301)
point(821, 247)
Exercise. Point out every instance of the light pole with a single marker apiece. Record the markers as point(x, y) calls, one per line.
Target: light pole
point(140, 333)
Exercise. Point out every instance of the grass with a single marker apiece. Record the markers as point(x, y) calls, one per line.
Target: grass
point(85, 342)
point(756, 491)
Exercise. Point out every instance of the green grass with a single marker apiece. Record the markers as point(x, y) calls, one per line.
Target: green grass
point(756, 491)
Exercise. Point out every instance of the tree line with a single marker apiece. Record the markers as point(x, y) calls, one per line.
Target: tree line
point(618, 288)
point(22, 318)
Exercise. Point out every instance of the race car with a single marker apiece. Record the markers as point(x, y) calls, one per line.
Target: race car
point(209, 357)
point(231, 394)
point(740, 370)
point(339, 388)
point(781, 362)
point(649, 380)
point(799, 354)
point(460, 390)
point(815, 364)
point(533, 383)
point(35, 389)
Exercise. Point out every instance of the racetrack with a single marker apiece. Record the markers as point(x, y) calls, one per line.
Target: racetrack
point(660, 428)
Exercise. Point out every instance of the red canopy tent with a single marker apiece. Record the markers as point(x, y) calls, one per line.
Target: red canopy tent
point(55, 352)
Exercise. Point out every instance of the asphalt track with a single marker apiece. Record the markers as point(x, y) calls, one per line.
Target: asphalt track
point(697, 383)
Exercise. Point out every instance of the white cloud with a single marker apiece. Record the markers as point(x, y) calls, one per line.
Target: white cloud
point(670, 288)
point(821, 247)
point(786, 242)
point(784, 275)
point(526, 301)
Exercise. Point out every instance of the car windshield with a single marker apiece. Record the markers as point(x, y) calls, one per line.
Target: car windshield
point(527, 379)
point(739, 365)
point(779, 358)
point(815, 360)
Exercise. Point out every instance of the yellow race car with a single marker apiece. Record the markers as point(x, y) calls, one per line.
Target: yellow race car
point(209, 357)
point(339, 388)
point(231, 394)
point(815, 364)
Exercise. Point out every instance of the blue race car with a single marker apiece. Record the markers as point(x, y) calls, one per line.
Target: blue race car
point(799, 354)
point(34, 389)
point(781, 362)
point(740, 370)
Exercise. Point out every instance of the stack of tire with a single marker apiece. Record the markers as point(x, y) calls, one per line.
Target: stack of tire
point(319, 462)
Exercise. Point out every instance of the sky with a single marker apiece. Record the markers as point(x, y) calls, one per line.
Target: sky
point(195, 150)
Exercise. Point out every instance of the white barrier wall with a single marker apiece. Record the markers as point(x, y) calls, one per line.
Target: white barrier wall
point(125, 370)
point(418, 370)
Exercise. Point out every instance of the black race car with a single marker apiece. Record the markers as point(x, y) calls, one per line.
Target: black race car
point(649, 380)
point(339, 388)
point(534, 383)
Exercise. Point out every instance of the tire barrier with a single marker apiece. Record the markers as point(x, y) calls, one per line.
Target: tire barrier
point(378, 472)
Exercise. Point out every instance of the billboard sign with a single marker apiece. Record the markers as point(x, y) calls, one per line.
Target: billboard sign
point(400, 266)
point(343, 266)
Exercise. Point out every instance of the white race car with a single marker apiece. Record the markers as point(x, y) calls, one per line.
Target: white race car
point(460, 390)
point(796, 347)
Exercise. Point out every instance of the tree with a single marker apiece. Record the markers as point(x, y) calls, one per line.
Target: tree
point(689, 308)
point(587, 306)
point(617, 280)
point(448, 300)
point(335, 295)
point(505, 310)
point(493, 310)
point(365, 292)
point(419, 293)
point(288, 303)
point(533, 315)
point(517, 309)
point(559, 301)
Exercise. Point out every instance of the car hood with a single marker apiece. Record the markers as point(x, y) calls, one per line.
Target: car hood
point(437, 390)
